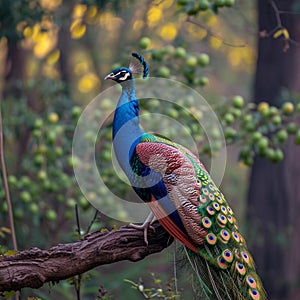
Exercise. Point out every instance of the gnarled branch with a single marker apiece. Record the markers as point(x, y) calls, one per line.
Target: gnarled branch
point(34, 267)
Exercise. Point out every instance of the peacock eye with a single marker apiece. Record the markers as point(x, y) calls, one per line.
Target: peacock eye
point(123, 75)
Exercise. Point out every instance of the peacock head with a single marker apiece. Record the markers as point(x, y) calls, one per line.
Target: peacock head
point(120, 75)
point(123, 74)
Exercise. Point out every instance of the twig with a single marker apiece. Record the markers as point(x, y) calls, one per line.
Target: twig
point(77, 279)
point(277, 13)
point(216, 36)
point(92, 222)
point(279, 26)
point(78, 229)
point(6, 188)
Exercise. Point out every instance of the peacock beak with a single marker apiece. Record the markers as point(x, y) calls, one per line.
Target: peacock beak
point(110, 76)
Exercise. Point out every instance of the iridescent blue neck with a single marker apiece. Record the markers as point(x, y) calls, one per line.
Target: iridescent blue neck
point(126, 125)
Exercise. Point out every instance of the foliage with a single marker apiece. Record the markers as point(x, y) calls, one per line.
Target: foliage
point(158, 291)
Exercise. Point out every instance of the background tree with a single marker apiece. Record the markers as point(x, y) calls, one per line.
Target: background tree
point(273, 200)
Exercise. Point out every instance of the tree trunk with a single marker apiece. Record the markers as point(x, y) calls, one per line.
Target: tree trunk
point(273, 200)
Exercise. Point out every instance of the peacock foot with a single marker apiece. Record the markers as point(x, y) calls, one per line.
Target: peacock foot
point(145, 226)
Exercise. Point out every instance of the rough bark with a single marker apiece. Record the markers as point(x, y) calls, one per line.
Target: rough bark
point(273, 205)
point(34, 267)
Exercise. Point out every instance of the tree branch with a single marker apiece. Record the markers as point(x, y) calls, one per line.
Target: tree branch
point(34, 267)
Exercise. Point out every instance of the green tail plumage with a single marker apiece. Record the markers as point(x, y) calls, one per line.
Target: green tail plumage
point(223, 267)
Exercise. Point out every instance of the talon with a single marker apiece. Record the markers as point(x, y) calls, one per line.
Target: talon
point(147, 224)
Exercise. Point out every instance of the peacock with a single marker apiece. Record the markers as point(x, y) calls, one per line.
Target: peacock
point(183, 198)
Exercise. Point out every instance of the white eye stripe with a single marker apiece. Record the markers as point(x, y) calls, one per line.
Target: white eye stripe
point(117, 74)
point(124, 77)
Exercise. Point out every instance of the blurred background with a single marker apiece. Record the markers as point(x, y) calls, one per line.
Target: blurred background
point(242, 56)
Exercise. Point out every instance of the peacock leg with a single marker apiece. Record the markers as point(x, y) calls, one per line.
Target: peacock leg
point(147, 224)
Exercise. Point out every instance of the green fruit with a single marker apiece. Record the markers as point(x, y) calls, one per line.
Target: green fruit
point(51, 215)
point(60, 198)
point(282, 135)
point(219, 3)
point(51, 137)
point(203, 5)
point(236, 112)
point(278, 155)
point(157, 55)
point(36, 133)
point(238, 101)
point(203, 59)
point(288, 108)
point(203, 81)
point(38, 159)
point(42, 175)
point(191, 61)
point(248, 161)
point(270, 153)
point(33, 208)
point(263, 143)
point(297, 138)
point(180, 52)
point(273, 111)
point(245, 152)
point(18, 213)
point(106, 104)
point(59, 129)
point(275, 155)
point(49, 186)
point(71, 202)
point(215, 133)
point(276, 120)
point(256, 136)
point(12, 180)
point(106, 155)
point(250, 126)
point(292, 128)
point(298, 107)
point(53, 118)
point(144, 42)
point(263, 108)
point(4, 207)
point(248, 118)
point(73, 161)
point(42, 149)
point(229, 133)
point(163, 72)
point(76, 111)
point(59, 151)
point(229, 3)
point(216, 145)
point(173, 113)
point(169, 49)
point(228, 118)
point(38, 123)
point(83, 202)
point(25, 196)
